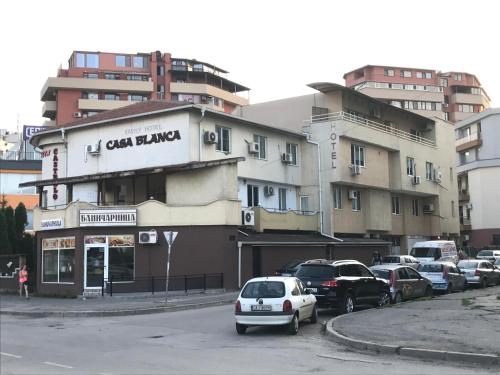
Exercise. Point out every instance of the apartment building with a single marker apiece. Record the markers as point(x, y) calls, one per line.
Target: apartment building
point(478, 168)
point(385, 172)
point(243, 197)
point(452, 96)
point(100, 81)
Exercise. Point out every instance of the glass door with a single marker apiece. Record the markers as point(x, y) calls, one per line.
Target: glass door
point(95, 265)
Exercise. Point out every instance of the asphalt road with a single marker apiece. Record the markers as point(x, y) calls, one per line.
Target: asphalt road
point(200, 341)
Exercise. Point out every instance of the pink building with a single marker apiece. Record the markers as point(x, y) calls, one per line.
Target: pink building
point(452, 96)
point(100, 81)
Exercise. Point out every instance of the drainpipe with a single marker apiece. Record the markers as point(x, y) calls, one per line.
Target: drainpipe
point(239, 264)
point(200, 135)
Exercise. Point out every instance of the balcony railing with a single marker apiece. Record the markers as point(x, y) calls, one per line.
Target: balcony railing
point(20, 155)
point(337, 116)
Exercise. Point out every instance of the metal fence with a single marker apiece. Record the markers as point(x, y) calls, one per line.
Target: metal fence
point(157, 284)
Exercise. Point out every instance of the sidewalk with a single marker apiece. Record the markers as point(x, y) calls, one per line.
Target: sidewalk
point(126, 304)
point(459, 326)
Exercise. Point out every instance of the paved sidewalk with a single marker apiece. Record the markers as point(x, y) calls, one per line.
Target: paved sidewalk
point(466, 322)
point(129, 304)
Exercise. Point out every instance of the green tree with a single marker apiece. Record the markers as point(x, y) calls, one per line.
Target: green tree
point(21, 220)
point(11, 227)
point(5, 246)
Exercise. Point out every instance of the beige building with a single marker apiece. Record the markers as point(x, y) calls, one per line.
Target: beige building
point(385, 172)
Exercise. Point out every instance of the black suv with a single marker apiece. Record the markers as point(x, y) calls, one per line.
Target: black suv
point(344, 284)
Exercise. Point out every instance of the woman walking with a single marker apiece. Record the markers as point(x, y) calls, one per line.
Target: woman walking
point(23, 281)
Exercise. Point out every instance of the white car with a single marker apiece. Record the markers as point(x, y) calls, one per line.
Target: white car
point(274, 300)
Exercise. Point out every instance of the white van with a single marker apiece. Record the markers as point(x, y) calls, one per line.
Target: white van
point(428, 251)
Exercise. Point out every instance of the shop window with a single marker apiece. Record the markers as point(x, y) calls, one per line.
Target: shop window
point(121, 258)
point(58, 260)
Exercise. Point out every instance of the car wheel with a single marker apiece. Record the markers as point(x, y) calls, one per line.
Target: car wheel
point(428, 292)
point(449, 289)
point(314, 316)
point(398, 298)
point(241, 328)
point(383, 299)
point(484, 283)
point(348, 305)
point(293, 327)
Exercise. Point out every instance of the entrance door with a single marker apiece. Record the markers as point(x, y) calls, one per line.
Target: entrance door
point(95, 265)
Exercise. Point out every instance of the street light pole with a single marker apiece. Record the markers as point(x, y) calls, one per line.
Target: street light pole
point(168, 271)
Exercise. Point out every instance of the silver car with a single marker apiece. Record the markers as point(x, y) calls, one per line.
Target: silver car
point(480, 272)
point(445, 276)
point(491, 255)
point(405, 283)
point(406, 260)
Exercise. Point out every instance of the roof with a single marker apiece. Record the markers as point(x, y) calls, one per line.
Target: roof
point(270, 278)
point(326, 87)
point(477, 116)
point(194, 61)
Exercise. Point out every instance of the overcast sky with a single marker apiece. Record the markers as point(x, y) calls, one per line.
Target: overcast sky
point(273, 47)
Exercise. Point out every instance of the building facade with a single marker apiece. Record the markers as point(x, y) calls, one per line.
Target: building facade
point(478, 168)
point(242, 196)
point(385, 172)
point(100, 81)
point(452, 96)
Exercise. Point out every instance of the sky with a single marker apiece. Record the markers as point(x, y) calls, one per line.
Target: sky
point(274, 47)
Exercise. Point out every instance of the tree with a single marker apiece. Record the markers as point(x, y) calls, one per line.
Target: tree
point(21, 220)
point(5, 246)
point(11, 227)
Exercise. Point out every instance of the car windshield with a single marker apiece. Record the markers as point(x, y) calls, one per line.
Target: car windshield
point(391, 260)
point(431, 268)
point(264, 289)
point(467, 264)
point(384, 274)
point(326, 272)
point(485, 253)
point(425, 252)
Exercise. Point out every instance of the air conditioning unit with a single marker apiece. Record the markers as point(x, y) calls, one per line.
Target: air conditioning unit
point(468, 206)
point(286, 158)
point(149, 237)
point(253, 148)
point(268, 191)
point(77, 114)
point(94, 149)
point(437, 176)
point(351, 195)
point(445, 105)
point(466, 237)
point(355, 169)
point(210, 137)
point(428, 207)
point(247, 217)
point(416, 180)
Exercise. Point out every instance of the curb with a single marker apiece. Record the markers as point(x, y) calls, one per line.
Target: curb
point(483, 359)
point(125, 312)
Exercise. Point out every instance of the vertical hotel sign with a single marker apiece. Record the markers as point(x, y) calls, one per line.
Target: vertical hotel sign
point(55, 170)
point(333, 142)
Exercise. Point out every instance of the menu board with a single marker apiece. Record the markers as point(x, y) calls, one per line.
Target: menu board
point(123, 240)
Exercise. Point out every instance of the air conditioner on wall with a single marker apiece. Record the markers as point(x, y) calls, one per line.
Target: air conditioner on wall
point(286, 158)
point(466, 237)
point(352, 194)
point(468, 206)
point(268, 191)
point(437, 176)
point(253, 148)
point(77, 114)
point(428, 207)
point(94, 149)
point(247, 217)
point(149, 237)
point(210, 137)
point(355, 169)
point(416, 180)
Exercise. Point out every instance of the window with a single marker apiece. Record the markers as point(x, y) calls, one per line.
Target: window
point(396, 205)
point(429, 171)
point(415, 207)
point(87, 60)
point(475, 90)
point(282, 199)
point(443, 82)
point(304, 203)
point(111, 97)
point(137, 77)
point(223, 139)
point(122, 61)
point(160, 70)
point(389, 72)
point(420, 75)
point(91, 75)
point(452, 208)
point(58, 260)
point(356, 201)
point(357, 155)
point(137, 98)
point(410, 166)
point(121, 258)
point(292, 149)
point(262, 145)
point(337, 198)
point(451, 174)
point(457, 76)
point(90, 95)
point(139, 62)
point(465, 108)
point(319, 113)
point(397, 86)
point(428, 75)
point(252, 195)
point(405, 73)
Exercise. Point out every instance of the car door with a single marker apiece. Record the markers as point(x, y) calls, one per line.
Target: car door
point(370, 287)
point(456, 278)
point(307, 299)
point(488, 270)
point(351, 281)
point(417, 283)
point(403, 283)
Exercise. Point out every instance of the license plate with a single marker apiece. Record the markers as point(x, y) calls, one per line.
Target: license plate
point(261, 307)
point(313, 290)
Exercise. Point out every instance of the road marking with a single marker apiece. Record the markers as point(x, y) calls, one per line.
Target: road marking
point(11, 355)
point(57, 365)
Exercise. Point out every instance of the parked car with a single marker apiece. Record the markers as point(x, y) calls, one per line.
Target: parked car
point(491, 255)
point(480, 272)
point(428, 251)
point(344, 284)
point(291, 267)
point(405, 282)
point(497, 263)
point(407, 260)
point(274, 300)
point(445, 276)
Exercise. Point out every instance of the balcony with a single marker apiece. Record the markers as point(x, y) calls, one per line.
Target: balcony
point(374, 125)
point(20, 155)
point(463, 196)
point(53, 84)
point(49, 109)
point(102, 105)
point(465, 98)
point(465, 224)
point(285, 220)
point(469, 141)
point(206, 89)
